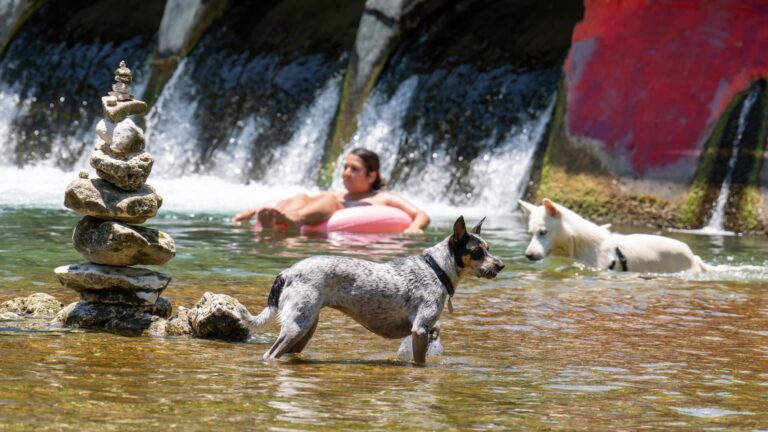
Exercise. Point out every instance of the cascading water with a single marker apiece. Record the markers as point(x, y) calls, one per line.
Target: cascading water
point(496, 178)
point(459, 126)
point(717, 220)
point(52, 72)
point(245, 117)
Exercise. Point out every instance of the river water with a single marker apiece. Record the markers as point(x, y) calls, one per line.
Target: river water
point(545, 346)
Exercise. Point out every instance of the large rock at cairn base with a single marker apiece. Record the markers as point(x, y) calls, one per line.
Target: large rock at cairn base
point(106, 284)
point(114, 318)
point(116, 244)
point(219, 316)
point(126, 171)
point(101, 199)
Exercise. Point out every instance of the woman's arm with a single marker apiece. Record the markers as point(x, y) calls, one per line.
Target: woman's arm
point(419, 219)
point(244, 215)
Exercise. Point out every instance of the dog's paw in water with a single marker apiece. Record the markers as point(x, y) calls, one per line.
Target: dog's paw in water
point(405, 352)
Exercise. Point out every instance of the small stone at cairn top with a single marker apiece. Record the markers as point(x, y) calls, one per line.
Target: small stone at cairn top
point(119, 103)
point(114, 295)
point(121, 90)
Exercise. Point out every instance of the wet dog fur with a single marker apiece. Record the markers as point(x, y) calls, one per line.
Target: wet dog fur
point(400, 298)
point(559, 231)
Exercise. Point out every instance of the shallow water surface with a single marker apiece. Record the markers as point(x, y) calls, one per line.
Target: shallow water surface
point(544, 346)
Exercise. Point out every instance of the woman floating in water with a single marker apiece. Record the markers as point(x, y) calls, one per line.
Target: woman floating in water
point(363, 183)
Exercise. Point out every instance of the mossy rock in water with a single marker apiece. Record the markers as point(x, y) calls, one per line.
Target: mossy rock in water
point(38, 305)
point(219, 316)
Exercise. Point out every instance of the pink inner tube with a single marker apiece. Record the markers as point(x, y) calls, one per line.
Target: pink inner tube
point(364, 219)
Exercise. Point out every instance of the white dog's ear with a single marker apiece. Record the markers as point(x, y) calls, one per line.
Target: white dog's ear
point(551, 208)
point(527, 207)
point(476, 229)
point(459, 228)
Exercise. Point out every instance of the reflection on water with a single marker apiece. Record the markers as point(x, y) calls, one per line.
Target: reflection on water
point(547, 345)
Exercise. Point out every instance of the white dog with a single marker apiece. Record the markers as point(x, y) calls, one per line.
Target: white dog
point(561, 232)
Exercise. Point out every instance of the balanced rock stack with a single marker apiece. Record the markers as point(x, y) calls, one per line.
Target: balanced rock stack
point(115, 295)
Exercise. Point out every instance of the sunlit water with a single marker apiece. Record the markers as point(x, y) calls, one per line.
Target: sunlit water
point(544, 346)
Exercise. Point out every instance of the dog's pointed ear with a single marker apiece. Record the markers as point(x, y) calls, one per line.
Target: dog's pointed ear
point(476, 229)
point(527, 207)
point(551, 208)
point(459, 229)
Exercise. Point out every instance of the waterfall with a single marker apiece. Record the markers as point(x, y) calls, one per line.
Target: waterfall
point(717, 220)
point(299, 159)
point(497, 178)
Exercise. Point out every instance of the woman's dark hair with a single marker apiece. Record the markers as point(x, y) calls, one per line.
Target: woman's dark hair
point(371, 161)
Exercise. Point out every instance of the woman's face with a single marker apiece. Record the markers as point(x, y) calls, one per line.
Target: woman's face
point(356, 178)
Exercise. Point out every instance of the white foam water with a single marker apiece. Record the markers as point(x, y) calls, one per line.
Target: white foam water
point(301, 157)
point(171, 130)
point(43, 185)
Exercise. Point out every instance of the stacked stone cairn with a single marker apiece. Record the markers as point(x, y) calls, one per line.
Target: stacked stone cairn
point(116, 296)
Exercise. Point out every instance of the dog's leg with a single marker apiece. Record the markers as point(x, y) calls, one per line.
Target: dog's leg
point(290, 334)
point(299, 347)
point(294, 333)
point(420, 341)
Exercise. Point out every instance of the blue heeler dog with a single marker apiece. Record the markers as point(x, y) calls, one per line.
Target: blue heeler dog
point(394, 300)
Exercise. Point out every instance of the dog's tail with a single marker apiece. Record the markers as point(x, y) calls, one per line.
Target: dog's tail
point(704, 267)
point(261, 320)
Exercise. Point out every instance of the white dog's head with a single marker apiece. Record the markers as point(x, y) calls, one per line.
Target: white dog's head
point(545, 224)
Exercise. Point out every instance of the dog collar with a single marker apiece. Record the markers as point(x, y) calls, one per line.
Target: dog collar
point(622, 260)
point(444, 279)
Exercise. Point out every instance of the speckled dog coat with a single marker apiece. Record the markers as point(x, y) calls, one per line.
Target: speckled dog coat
point(395, 299)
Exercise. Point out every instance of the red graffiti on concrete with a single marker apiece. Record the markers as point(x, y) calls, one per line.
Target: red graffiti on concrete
point(649, 79)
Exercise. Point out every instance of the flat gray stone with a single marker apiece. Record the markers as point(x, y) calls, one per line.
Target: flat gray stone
point(92, 277)
point(122, 109)
point(101, 199)
point(38, 305)
point(114, 318)
point(117, 244)
point(126, 171)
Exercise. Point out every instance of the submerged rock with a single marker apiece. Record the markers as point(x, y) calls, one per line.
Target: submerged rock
point(117, 244)
point(128, 172)
point(38, 305)
point(114, 318)
point(101, 199)
point(177, 325)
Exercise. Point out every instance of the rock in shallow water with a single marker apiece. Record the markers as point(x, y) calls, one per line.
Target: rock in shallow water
point(117, 244)
point(114, 318)
point(38, 305)
point(219, 316)
point(215, 316)
point(101, 199)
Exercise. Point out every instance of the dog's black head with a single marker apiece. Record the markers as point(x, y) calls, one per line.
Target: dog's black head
point(470, 252)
